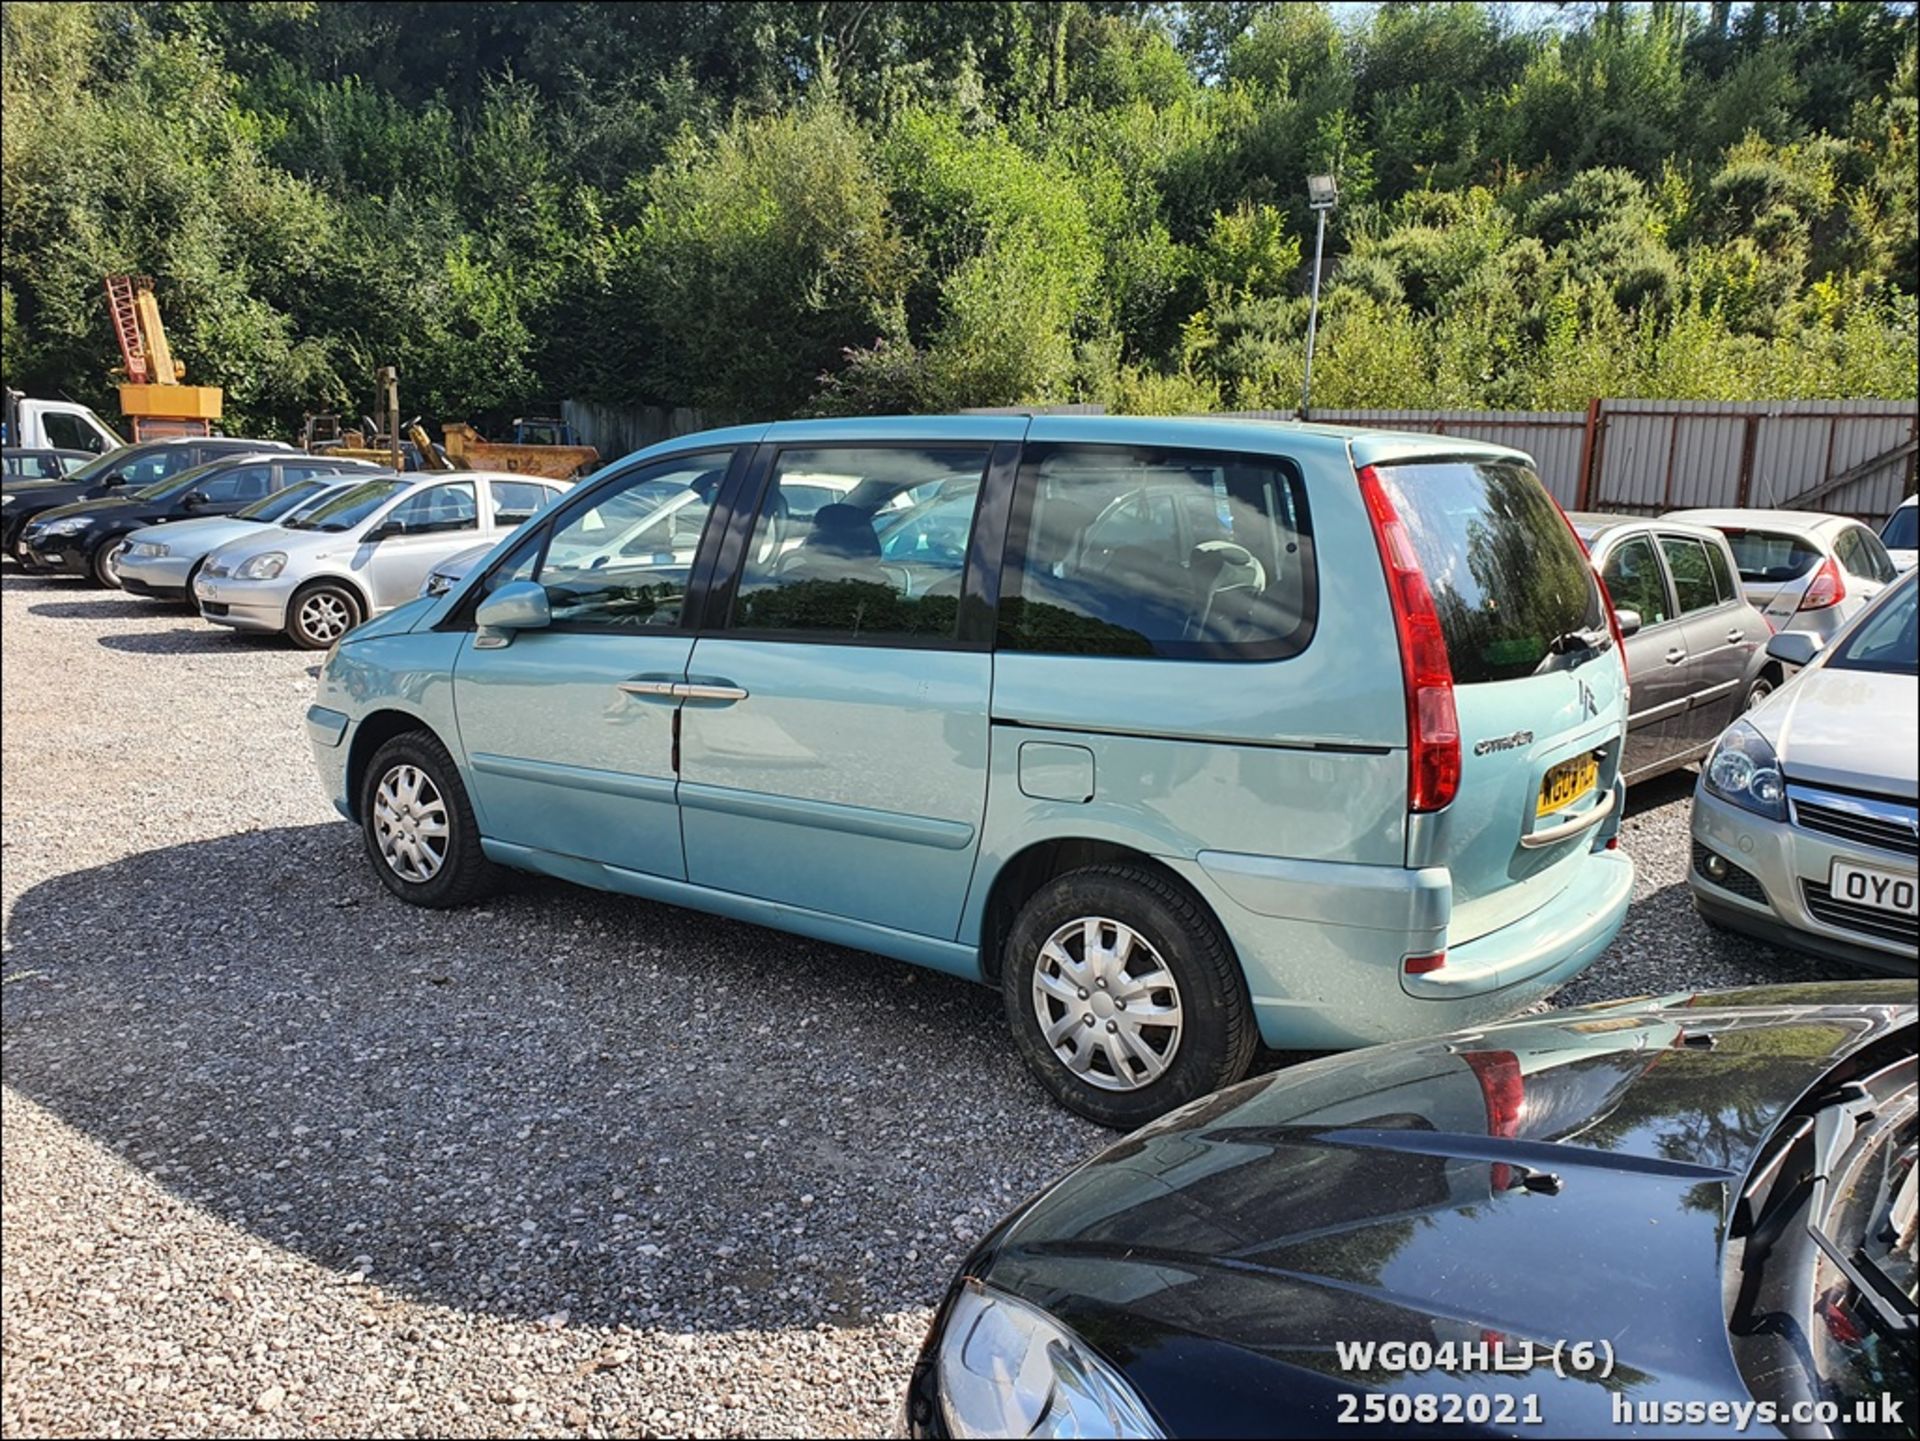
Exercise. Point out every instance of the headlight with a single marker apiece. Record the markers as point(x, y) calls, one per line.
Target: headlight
point(61, 525)
point(1007, 1369)
point(145, 550)
point(265, 566)
point(1744, 770)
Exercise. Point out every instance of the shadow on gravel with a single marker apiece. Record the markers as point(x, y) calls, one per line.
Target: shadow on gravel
point(106, 608)
point(207, 640)
point(558, 1101)
point(1660, 791)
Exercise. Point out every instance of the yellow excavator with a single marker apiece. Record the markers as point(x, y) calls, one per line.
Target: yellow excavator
point(386, 440)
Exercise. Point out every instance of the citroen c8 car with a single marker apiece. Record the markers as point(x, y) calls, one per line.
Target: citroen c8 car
point(1185, 734)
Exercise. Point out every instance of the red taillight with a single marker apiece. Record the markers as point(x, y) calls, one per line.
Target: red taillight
point(1424, 965)
point(1503, 1090)
point(1825, 589)
point(1433, 727)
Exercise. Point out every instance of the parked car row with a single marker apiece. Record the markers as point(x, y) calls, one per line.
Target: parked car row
point(1190, 736)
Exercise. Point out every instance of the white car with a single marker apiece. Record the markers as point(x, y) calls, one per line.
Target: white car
point(363, 552)
point(1800, 569)
point(1901, 534)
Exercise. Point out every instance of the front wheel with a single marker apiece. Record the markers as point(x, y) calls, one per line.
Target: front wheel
point(320, 614)
point(106, 561)
point(418, 825)
point(1124, 998)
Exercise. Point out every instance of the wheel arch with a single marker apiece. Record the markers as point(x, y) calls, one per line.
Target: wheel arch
point(1022, 874)
point(375, 730)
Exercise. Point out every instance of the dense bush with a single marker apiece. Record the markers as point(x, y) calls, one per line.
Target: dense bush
point(762, 209)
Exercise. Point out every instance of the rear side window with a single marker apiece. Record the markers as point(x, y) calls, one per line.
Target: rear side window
point(1862, 554)
point(1722, 568)
point(1634, 581)
point(1692, 574)
point(1141, 551)
point(1771, 557)
point(514, 501)
point(1507, 577)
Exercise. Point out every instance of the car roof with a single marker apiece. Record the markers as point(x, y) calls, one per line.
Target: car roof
point(1592, 524)
point(1804, 521)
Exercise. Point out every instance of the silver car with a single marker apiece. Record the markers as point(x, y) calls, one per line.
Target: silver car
point(161, 561)
point(1802, 570)
point(363, 552)
point(1696, 649)
point(1806, 818)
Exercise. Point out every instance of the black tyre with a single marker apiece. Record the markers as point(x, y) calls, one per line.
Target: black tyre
point(104, 561)
point(1124, 998)
point(319, 614)
point(190, 600)
point(1763, 687)
point(418, 825)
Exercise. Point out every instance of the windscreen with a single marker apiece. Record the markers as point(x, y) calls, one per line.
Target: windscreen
point(272, 507)
point(1508, 578)
point(1771, 556)
point(351, 507)
point(1888, 639)
point(1903, 529)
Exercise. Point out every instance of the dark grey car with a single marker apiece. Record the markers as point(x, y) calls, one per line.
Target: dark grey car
point(1699, 657)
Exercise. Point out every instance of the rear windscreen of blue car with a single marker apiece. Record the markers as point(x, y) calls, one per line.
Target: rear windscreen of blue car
point(1507, 576)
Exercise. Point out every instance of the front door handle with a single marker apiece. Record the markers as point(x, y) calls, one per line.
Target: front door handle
point(1675, 656)
point(1735, 636)
point(652, 687)
point(724, 691)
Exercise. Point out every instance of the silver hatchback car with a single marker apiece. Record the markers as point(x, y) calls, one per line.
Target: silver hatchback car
point(1806, 818)
point(362, 553)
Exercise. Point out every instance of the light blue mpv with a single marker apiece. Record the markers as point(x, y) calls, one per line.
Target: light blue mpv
point(1187, 734)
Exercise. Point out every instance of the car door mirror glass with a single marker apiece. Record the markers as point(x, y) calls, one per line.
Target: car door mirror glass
point(521, 605)
point(1629, 621)
point(194, 499)
point(1794, 647)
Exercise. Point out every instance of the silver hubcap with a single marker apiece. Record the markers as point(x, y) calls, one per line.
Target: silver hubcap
point(1107, 1004)
point(410, 823)
point(1759, 693)
point(113, 561)
point(325, 616)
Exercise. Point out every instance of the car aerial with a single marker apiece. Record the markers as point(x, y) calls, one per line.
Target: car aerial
point(1184, 734)
point(1613, 1209)
point(1802, 570)
point(1901, 534)
point(361, 553)
point(1806, 817)
point(129, 468)
point(161, 561)
point(26, 464)
point(86, 537)
point(1696, 650)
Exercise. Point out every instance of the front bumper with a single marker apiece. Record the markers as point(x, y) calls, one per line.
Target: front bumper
point(1772, 902)
point(243, 604)
point(163, 577)
point(60, 554)
point(1324, 983)
point(327, 732)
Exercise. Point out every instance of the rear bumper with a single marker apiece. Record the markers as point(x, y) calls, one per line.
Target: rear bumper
point(1323, 964)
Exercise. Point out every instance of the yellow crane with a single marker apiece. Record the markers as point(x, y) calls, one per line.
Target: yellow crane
point(154, 397)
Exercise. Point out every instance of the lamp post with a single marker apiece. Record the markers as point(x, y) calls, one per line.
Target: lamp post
point(1322, 195)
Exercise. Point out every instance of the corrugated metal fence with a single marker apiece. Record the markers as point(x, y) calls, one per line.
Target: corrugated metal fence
point(1852, 457)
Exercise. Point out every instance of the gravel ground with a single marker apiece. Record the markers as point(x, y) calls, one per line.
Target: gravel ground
point(284, 1156)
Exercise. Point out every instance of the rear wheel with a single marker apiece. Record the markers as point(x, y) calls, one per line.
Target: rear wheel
point(319, 614)
point(418, 825)
point(105, 563)
point(1124, 998)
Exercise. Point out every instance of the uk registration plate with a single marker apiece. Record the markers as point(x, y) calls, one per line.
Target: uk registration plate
point(1567, 783)
point(1871, 886)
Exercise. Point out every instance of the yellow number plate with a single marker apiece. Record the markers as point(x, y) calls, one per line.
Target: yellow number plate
point(1566, 783)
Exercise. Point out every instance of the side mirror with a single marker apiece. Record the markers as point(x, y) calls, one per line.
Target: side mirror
point(521, 605)
point(1629, 621)
point(194, 499)
point(1794, 647)
point(386, 530)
